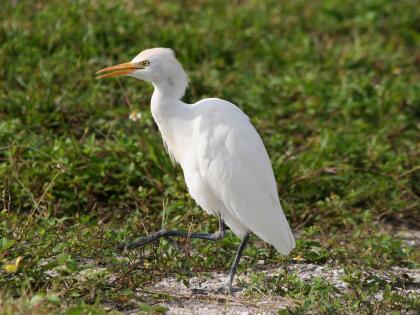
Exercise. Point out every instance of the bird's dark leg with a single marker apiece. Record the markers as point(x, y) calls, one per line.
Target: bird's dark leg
point(163, 233)
point(236, 262)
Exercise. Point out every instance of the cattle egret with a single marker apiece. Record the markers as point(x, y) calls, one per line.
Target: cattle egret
point(226, 166)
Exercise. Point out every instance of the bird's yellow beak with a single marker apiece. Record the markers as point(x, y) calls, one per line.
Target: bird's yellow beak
point(118, 70)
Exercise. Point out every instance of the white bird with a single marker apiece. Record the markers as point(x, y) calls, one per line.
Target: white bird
point(226, 166)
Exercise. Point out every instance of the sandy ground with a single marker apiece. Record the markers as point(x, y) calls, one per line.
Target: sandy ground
point(202, 295)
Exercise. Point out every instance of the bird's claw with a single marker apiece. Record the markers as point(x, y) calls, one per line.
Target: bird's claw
point(124, 246)
point(139, 242)
point(226, 289)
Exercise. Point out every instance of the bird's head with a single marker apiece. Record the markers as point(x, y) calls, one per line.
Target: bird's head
point(156, 65)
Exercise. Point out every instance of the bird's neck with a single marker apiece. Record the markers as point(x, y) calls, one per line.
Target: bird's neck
point(171, 86)
point(165, 103)
point(169, 89)
point(172, 116)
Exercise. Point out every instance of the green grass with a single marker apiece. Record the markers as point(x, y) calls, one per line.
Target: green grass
point(333, 87)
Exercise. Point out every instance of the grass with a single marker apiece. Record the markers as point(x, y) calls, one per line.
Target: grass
point(332, 87)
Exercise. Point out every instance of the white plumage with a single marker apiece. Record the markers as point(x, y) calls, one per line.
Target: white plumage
point(227, 171)
point(226, 166)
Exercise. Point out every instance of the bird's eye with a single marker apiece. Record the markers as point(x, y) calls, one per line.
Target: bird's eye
point(145, 63)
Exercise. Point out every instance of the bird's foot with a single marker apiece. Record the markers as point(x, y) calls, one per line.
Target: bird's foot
point(129, 245)
point(139, 242)
point(226, 289)
point(199, 291)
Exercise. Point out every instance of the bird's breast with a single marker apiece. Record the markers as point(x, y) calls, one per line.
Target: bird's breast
point(178, 144)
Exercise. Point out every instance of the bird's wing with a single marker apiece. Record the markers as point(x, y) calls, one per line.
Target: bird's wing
point(235, 164)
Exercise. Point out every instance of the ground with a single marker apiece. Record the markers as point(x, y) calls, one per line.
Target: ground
point(331, 86)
